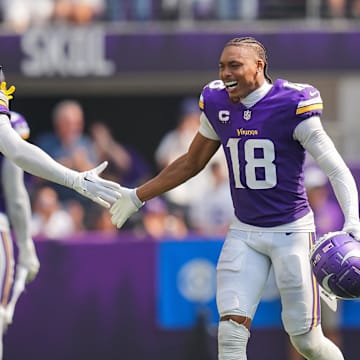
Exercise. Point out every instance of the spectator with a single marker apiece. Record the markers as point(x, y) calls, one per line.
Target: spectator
point(212, 214)
point(335, 8)
point(68, 144)
point(79, 12)
point(19, 15)
point(175, 143)
point(119, 10)
point(49, 219)
point(159, 223)
point(237, 9)
point(98, 219)
point(126, 165)
point(77, 212)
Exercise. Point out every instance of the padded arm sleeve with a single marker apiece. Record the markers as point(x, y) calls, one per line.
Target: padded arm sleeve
point(17, 200)
point(314, 139)
point(31, 158)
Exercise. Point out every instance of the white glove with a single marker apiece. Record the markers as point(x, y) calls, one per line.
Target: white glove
point(28, 259)
point(99, 190)
point(125, 206)
point(353, 229)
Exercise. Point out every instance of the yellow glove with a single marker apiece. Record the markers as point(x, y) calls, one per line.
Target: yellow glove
point(8, 92)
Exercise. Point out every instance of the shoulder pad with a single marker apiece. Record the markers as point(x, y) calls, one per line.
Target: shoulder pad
point(209, 90)
point(307, 98)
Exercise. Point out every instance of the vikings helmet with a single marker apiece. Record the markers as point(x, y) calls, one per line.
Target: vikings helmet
point(335, 261)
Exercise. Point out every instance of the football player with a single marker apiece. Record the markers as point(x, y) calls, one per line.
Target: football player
point(15, 212)
point(35, 161)
point(265, 129)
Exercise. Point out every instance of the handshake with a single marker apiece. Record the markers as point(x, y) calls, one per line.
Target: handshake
point(104, 192)
point(87, 183)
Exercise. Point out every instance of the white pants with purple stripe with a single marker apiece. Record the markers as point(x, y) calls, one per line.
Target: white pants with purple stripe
point(243, 269)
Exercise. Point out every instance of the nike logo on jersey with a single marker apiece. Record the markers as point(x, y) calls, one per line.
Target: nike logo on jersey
point(313, 92)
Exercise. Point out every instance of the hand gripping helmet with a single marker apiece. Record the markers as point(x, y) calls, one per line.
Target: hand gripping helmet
point(335, 261)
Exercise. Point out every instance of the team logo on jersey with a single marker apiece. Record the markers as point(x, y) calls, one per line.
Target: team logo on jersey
point(224, 116)
point(247, 115)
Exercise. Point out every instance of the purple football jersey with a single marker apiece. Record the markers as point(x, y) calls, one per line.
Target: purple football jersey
point(265, 163)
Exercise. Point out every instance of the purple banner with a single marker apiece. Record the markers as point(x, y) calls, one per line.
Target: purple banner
point(102, 52)
point(95, 298)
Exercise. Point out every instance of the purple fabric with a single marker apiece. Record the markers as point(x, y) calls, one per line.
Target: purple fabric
point(265, 162)
point(4, 110)
point(175, 52)
point(94, 298)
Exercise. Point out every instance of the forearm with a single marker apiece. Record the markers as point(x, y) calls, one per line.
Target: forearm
point(343, 184)
point(185, 167)
point(319, 145)
point(31, 158)
point(173, 175)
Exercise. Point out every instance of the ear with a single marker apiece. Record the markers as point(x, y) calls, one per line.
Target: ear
point(260, 66)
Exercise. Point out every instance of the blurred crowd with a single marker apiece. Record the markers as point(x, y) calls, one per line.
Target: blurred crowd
point(202, 206)
point(19, 15)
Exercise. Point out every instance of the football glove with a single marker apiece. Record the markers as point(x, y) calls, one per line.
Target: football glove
point(97, 189)
point(7, 91)
point(125, 206)
point(353, 229)
point(28, 259)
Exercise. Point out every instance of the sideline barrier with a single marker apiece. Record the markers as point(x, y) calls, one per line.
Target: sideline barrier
point(100, 298)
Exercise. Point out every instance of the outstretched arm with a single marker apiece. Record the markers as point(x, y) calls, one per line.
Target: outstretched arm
point(313, 137)
point(37, 162)
point(182, 169)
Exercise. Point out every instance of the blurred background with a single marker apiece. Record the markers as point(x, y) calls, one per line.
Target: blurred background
point(119, 80)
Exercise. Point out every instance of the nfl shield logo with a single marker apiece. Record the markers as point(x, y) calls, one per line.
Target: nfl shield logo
point(247, 115)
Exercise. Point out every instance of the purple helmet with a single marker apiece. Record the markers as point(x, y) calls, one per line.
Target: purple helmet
point(335, 261)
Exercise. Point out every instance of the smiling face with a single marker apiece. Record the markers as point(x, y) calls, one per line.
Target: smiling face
point(241, 69)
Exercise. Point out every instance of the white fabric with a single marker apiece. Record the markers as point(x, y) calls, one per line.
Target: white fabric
point(214, 211)
point(315, 346)
point(232, 341)
point(314, 139)
point(37, 162)
point(256, 95)
point(19, 212)
point(17, 200)
point(31, 158)
point(206, 128)
point(246, 259)
point(128, 203)
point(57, 226)
point(90, 185)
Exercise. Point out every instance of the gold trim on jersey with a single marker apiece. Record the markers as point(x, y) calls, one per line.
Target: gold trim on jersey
point(201, 102)
point(305, 109)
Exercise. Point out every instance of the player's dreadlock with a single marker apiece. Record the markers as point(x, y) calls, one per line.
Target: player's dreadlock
point(258, 46)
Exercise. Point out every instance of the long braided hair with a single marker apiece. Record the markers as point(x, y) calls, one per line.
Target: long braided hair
point(258, 47)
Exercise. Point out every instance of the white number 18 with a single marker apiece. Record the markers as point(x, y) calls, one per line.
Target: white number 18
point(265, 162)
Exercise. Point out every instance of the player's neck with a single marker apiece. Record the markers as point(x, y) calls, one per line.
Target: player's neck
point(256, 95)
